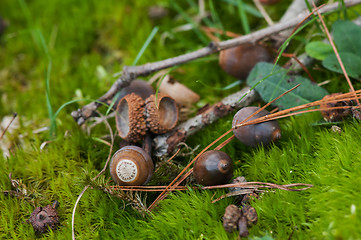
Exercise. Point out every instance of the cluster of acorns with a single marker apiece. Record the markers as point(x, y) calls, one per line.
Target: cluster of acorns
point(216, 167)
point(139, 111)
point(235, 218)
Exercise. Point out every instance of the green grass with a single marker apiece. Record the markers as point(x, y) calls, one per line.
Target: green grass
point(87, 42)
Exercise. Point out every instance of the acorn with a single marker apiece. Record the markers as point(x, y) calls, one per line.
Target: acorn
point(335, 115)
point(161, 113)
point(131, 166)
point(139, 87)
point(43, 218)
point(213, 168)
point(256, 134)
point(129, 118)
point(231, 217)
point(250, 213)
point(239, 61)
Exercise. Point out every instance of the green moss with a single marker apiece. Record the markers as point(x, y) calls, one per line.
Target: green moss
point(88, 41)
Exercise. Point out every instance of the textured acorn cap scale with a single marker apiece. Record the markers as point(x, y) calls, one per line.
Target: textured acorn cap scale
point(161, 113)
point(129, 118)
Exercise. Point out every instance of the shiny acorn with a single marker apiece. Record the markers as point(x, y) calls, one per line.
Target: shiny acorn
point(239, 61)
point(257, 134)
point(131, 166)
point(213, 168)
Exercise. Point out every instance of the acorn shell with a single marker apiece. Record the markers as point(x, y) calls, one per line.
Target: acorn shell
point(213, 168)
point(139, 87)
point(239, 61)
point(131, 166)
point(129, 118)
point(251, 214)
point(335, 115)
point(161, 113)
point(257, 134)
point(231, 217)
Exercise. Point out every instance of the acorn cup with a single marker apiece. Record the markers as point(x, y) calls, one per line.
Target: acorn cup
point(129, 118)
point(161, 113)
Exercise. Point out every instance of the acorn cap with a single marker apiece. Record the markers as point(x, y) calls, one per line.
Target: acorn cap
point(231, 217)
point(161, 113)
point(250, 213)
point(43, 218)
point(129, 118)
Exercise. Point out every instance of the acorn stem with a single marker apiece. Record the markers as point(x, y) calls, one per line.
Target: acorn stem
point(147, 143)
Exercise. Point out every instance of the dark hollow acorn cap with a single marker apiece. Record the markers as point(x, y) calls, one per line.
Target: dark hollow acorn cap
point(231, 217)
point(43, 218)
point(239, 61)
point(129, 118)
point(131, 166)
point(250, 213)
point(161, 113)
point(257, 134)
point(213, 168)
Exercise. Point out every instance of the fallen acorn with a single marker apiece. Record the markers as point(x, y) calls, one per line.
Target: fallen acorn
point(257, 134)
point(213, 168)
point(44, 218)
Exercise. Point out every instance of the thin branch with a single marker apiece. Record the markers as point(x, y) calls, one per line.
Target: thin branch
point(11, 121)
point(132, 72)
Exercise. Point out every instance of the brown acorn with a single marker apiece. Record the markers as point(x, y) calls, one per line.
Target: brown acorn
point(239, 61)
point(139, 87)
point(335, 115)
point(161, 113)
point(213, 168)
point(43, 218)
point(257, 134)
point(231, 217)
point(250, 213)
point(131, 166)
point(129, 118)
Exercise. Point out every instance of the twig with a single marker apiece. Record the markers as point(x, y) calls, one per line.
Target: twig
point(11, 121)
point(263, 12)
point(131, 72)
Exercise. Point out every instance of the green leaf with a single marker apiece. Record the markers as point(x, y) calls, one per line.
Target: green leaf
point(351, 62)
point(347, 36)
point(318, 50)
point(270, 84)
